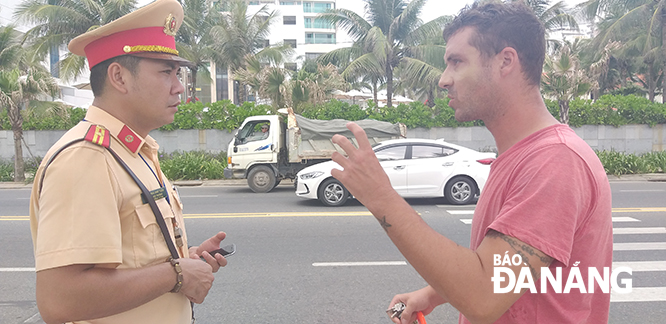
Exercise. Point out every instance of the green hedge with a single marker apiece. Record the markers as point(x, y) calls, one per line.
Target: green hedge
point(612, 110)
point(195, 165)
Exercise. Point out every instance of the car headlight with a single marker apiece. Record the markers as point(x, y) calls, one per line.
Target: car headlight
point(311, 175)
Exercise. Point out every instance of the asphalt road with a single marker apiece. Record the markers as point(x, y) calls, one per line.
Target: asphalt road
point(284, 271)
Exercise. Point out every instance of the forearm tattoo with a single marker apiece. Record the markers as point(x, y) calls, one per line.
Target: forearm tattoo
point(525, 251)
point(385, 225)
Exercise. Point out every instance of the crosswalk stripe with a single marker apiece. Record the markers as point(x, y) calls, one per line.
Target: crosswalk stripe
point(615, 220)
point(639, 246)
point(639, 230)
point(640, 294)
point(460, 212)
point(640, 266)
point(356, 264)
point(17, 269)
point(624, 219)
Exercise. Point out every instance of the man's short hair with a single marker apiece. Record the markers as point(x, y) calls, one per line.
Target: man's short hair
point(501, 25)
point(98, 73)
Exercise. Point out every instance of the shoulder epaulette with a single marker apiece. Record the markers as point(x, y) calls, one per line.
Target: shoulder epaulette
point(98, 135)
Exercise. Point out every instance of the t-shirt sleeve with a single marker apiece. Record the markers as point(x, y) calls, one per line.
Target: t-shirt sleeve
point(78, 217)
point(547, 200)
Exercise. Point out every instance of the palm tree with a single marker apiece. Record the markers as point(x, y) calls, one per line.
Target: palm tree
point(194, 41)
point(564, 79)
point(59, 21)
point(554, 18)
point(21, 82)
point(385, 39)
point(640, 24)
point(314, 83)
point(422, 68)
point(239, 35)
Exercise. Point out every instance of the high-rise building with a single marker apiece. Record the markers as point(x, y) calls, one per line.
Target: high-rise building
point(296, 24)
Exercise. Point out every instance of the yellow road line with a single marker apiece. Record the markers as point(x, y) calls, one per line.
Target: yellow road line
point(282, 214)
point(324, 214)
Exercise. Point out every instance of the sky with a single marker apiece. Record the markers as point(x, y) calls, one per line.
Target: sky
point(431, 10)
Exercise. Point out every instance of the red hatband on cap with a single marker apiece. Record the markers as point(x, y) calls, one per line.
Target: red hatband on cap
point(128, 42)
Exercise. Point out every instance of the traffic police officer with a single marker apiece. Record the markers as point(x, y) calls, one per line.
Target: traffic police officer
point(107, 226)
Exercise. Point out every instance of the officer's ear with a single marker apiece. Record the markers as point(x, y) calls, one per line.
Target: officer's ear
point(117, 77)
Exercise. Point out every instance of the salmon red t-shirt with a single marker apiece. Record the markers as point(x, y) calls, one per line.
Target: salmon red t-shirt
point(551, 191)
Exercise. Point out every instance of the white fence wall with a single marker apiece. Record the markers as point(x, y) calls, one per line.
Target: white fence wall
point(628, 138)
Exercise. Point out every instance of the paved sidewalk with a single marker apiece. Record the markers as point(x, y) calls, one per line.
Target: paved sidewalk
point(242, 182)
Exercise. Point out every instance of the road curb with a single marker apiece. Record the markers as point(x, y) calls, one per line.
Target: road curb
point(648, 177)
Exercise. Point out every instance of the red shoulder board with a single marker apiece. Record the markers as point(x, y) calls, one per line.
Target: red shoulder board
point(98, 135)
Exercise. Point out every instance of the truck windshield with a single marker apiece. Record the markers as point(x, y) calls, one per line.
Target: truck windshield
point(254, 131)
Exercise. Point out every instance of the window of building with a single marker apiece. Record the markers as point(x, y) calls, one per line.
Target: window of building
point(289, 20)
point(290, 3)
point(291, 66)
point(290, 42)
point(319, 38)
point(265, 42)
point(317, 7)
point(318, 23)
point(312, 56)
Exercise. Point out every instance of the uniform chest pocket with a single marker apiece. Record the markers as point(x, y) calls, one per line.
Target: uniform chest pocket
point(146, 216)
point(147, 241)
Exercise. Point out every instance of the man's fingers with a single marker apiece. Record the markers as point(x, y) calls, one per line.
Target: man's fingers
point(344, 144)
point(361, 137)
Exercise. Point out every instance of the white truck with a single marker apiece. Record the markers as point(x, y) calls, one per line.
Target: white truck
point(265, 157)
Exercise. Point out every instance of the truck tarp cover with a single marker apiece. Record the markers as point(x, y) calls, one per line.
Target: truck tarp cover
point(325, 129)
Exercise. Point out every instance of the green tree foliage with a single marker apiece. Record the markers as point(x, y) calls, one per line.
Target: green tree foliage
point(384, 41)
point(56, 22)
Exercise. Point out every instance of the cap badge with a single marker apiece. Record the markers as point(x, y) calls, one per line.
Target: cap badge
point(170, 25)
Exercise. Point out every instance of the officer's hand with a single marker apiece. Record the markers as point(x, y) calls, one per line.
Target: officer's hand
point(210, 244)
point(197, 279)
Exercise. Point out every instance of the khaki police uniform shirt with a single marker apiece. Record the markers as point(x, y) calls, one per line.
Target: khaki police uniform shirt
point(90, 211)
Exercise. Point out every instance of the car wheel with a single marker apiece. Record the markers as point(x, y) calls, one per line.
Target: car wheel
point(460, 190)
point(261, 179)
point(332, 193)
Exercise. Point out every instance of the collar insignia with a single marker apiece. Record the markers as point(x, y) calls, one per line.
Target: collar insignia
point(129, 139)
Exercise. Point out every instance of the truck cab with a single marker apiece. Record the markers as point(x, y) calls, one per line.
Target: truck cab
point(256, 143)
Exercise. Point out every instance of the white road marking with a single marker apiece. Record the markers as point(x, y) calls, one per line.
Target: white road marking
point(357, 264)
point(17, 269)
point(460, 212)
point(641, 294)
point(639, 246)
point(624, 219)
point(467, 221)
point(639, 230)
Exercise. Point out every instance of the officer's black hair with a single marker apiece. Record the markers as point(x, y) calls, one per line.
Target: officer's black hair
point(98, 73)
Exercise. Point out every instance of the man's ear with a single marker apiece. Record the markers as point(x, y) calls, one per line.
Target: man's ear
point(510, 63)
point(117, 77)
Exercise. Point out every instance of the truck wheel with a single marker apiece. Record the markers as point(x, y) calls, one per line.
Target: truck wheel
point(332, 193)
point(460, 190)
point(261, 179)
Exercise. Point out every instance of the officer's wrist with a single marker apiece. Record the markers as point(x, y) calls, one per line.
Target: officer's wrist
point(179, 275)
